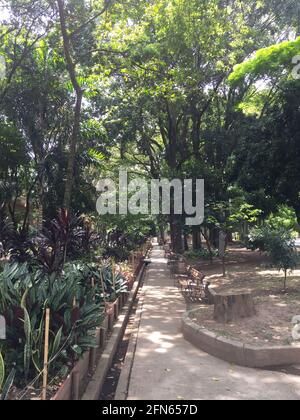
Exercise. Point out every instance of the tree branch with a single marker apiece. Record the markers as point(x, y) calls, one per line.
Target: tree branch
point(107, 4)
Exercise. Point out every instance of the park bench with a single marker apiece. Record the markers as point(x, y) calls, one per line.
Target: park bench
point(189, 280)
point(193, 287)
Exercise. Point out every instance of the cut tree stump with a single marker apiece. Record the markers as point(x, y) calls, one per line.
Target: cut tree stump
point(232, 305)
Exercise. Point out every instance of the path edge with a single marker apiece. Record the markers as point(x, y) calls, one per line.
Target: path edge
point(125, 376)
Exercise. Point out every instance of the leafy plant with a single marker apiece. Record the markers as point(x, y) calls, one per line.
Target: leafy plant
point(15, 241)
point(114, 283)
point(22, 247)
point(279, 245)
point(6, 229)
point(5, 385)
point(65, 237)
point(24, 296)
point(283, 217)
point(257, 239)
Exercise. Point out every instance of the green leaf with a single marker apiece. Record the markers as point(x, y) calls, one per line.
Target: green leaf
point(8, 384)
point(2, 371)
point(56, 343)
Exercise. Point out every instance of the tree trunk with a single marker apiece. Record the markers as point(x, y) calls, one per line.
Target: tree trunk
point(285, 280)
point(214, 237)
point(186, 244)
point(230, 237)
point(77, 111)
point(297, 210)
point(72, 153)
point(197, 244)
point(232, 306)
point(40, 196)
point(208, 244)
point(176, 234)
point(162, 233)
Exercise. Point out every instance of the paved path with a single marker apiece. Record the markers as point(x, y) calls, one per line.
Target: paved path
point(166, 366)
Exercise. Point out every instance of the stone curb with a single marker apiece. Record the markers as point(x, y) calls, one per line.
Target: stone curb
point(236, 352)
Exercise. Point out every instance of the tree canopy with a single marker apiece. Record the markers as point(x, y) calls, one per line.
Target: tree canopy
point(156, 87)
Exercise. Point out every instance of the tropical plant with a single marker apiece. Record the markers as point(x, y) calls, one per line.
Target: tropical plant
point(24, 296)
point(6, 228)
point(65, 237)
point(5, 384)
point(114, 283)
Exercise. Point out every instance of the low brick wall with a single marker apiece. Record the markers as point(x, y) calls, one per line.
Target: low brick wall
point(86, 379)
point(233, 351)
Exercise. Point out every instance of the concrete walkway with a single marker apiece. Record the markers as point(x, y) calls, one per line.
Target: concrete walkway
point(166, 367)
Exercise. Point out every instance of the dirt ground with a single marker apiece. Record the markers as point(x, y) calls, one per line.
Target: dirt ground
point(274, 309)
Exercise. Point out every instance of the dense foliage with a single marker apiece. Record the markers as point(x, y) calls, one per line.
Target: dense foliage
point(76, 299)
point(183, 89)
point(93, 87)
point(279, 245)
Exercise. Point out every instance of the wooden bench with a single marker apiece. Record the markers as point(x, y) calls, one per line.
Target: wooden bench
point(189, 280)
point(193, 286)
point(172, 256)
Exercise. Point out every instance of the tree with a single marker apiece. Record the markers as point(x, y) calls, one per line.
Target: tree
point(279, 245)
point(268, 155)
point(173, 59)
point(70, 56)
point(77, 109)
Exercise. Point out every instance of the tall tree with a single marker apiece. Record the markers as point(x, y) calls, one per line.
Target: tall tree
point(174, 57)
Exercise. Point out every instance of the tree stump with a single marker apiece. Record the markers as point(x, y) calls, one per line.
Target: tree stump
point(233, 305)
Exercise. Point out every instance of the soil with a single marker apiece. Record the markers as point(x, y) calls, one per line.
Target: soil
point(275, 308)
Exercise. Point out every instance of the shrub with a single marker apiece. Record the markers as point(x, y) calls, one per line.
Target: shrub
point(65, 238)
point(24, 296)
point(257, 239)
point(279, 245)
point(75, 298)
point(62, 239)
point(114, 283)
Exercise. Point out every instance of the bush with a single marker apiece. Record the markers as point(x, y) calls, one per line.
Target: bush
point(62, 239)
point(75, 298)
point(256, 240)
point(279, 245)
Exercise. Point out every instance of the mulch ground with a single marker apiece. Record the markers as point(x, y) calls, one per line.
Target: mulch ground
point(275, 309)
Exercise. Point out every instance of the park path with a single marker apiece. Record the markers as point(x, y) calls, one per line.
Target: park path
point(167, 367)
